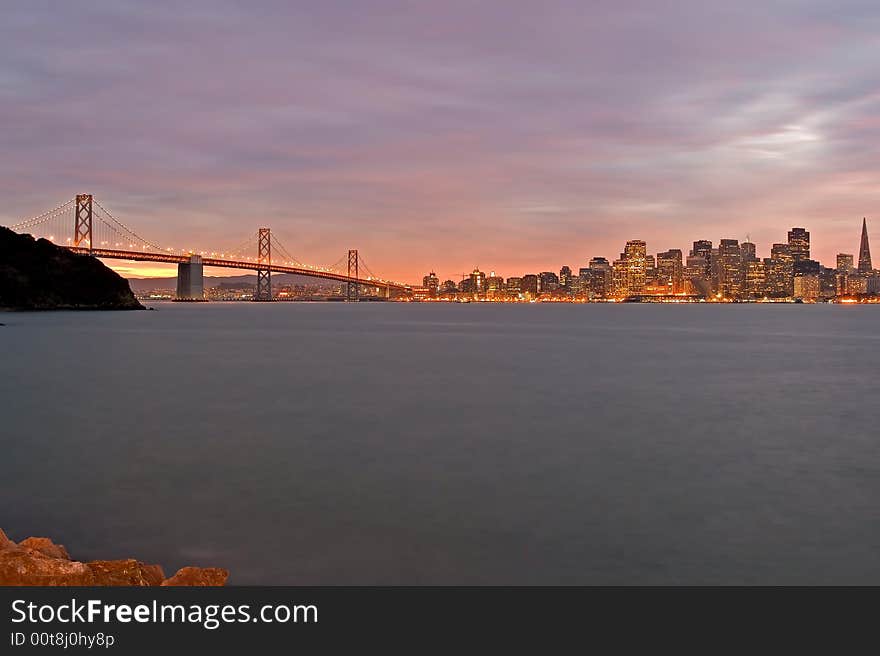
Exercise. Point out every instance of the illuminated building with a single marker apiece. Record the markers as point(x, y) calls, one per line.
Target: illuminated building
point(703, 248)
point(478, 282)
point(618, 277)
point(421, 293)
point(730, 269)
point(806, 287)
point(755, 282)
point(635, 256)
point(748, 252)
point(695, 275)
point(799, 244)
point(531, 285)
point(865, 266)
point(780, 275)
point(670, 271)
point(565, 277)
point(827, 282)
point(514, 285)
point(549, 281)
point(449, 287)
point(494, 283)
point(432, 283)
point(650, 270)
point(601, 283)
point(845, 262)
point(856, 284)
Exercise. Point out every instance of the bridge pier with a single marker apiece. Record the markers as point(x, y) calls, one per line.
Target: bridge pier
point(191, 280)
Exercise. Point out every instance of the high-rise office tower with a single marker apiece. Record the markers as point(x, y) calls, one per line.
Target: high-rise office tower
point(755, 280)
point(601, 278)
point(549, 281)
point(565, 276)
point(636, 255)
point(432, 283)
point(730, 269)
point(670, 271)
point(799, 244)
point(845, 262)
point(478, 282)
point(748, 251)
point(865, 250)
point(780, 275)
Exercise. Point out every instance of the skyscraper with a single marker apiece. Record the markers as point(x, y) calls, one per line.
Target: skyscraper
point(432, 283)
point(601, 278)
point(780, 273)
point(845, 262)
point(636, 256)
point(670, 271)
point(799, 244)
point(864, 250)
point(565, 276)
point(730, 269)
point(749, 253)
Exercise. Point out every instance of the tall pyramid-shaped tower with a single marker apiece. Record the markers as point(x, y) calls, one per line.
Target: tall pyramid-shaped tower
point(865, 250)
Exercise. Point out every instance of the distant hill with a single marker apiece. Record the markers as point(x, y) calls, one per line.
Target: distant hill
point(141, 285)
point(38, 275)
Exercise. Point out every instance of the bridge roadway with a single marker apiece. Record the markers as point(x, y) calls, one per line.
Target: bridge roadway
point(172, 258)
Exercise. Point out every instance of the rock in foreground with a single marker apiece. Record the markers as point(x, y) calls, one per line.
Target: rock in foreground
point(39, 561)
point(38, 275)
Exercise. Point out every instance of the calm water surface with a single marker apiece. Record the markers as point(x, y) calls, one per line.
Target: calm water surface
point(416, 443)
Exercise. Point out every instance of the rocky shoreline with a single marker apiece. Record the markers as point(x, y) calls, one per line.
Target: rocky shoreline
point(38, 561)
point(35, 274)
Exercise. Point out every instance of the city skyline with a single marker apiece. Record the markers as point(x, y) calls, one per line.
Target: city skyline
point(520, 133)
point(730, 271)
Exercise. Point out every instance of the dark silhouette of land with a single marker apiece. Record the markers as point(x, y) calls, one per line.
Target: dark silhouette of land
point(38, 275)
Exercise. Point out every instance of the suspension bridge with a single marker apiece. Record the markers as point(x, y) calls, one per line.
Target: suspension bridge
point(95, 231)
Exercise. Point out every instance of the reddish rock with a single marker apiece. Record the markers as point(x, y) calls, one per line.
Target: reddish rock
point(46, 547)
point(200, 576)
point(125, 572)
point(5, 542)
point(39, 561)
point(21, 566)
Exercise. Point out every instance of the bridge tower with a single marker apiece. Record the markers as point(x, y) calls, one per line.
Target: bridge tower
point(264, 261)
point(82, 230)
point(353, 289)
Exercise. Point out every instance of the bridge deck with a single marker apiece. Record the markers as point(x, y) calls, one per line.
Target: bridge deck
point(173, 258)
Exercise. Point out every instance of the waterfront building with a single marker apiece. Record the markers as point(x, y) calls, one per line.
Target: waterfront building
point(601, 281)
point(618, 277)
point(549, 281)
point(696, 275)
point(827, 282)
point(531, 285)
point(432, 283)
point(670, 271)
point(494, 284)
point(565, 277)
point(755, 279)
point(514, 285)
point(635, 255)
point(478, 282)
point(780, 275)
point(729, 269)
point(806, 287)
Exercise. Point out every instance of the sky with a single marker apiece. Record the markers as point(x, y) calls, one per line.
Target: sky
point(511, 135)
